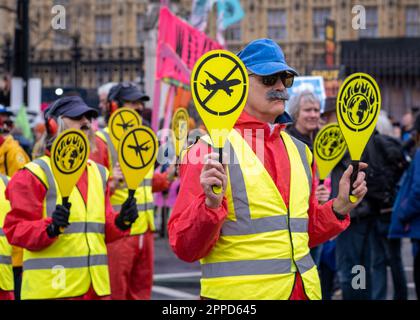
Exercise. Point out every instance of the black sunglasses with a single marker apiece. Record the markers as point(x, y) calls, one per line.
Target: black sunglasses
point(286, 77)
point(89, 116)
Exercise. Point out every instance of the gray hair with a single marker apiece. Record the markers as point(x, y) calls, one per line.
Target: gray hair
point(46, 141)
point(384, 125)
point(297, 100)
point(105, 88)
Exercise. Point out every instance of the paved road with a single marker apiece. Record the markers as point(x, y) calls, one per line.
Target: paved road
point(174, 279)
point(177, 280)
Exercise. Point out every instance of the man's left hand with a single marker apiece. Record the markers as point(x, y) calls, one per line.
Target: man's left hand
point(342, 204)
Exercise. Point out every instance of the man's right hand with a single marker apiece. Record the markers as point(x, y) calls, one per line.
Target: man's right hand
point(213, 174)
point(117, 178)
point(60, 219)
point(128, 214)
point(117, 173)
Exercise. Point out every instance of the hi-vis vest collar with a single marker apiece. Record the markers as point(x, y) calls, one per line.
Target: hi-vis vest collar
point(262, 242)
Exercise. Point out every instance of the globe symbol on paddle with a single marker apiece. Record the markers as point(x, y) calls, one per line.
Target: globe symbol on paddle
point(70, 153)
point(358, 102)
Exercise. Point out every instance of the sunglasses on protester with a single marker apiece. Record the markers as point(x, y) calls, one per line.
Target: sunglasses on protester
point(286, 78)
point(88, 116)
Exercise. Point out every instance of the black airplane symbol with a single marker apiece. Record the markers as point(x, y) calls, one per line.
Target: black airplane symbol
point(125, 125)
point(220, 84)
point(140, 148)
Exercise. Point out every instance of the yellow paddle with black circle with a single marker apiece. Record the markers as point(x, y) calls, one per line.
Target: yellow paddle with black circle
point(69, 155)
point(358, 107)
point(137, 152)
point(219, 87)
point(329, 149)
point(180, 129)
point(121, 121)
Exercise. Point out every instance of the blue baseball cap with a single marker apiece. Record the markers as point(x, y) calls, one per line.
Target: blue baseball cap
point(264, 57)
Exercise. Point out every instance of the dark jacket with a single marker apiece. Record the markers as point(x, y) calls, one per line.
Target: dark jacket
point(306, 139)
point(405, 220)
point(384, 157)
point(364, 208)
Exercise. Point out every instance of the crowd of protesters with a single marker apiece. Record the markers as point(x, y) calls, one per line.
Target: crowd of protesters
point(367, 244)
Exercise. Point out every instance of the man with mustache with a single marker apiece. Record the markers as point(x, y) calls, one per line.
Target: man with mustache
point(65, 254)
point(253, 239)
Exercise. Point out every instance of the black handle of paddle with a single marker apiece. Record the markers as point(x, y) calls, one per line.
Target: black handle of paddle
point(131, 193)
point(65, 202)
point(353, 178)
point(130, 196)
point(217, 189)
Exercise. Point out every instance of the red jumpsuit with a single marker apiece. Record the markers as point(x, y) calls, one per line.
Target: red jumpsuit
point(25, 226)
point(194, 228)
point(130, 259)
point(7, 295)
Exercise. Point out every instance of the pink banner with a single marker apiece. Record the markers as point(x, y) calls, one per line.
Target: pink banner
point(179, 47)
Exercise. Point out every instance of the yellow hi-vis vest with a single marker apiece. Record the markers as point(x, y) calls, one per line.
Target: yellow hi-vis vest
point(143, 194)
point(262, 242)
point(6, 271)
point(78, 258)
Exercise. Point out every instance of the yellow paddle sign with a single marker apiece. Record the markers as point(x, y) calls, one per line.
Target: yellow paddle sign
point(137, 155)
point(122, 120)
point(358, 107)
point(180, 129)
point(219, 87)
point(69, 155)
point(329, 148)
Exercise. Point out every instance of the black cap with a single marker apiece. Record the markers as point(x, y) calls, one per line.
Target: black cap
point(127, 91)
point(71, 107)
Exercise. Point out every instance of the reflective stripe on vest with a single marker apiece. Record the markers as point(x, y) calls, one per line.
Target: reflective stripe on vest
point(5, 179)
point(111, 148)
point(140, 206)
point(2, 232)
point(85, 227)
point(301, 147)
point(146, 183)
point(102, 172)
point(254, 267)
point(5, 259)
point(51, 192)
point(66, 262)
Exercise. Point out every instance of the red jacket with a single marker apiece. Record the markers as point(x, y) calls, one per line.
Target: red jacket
point(25, 226)
point(194, 228)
